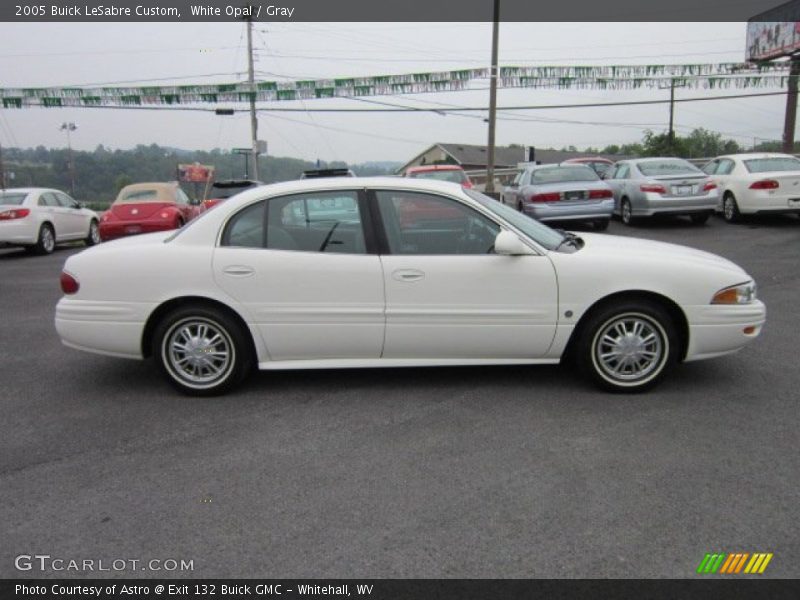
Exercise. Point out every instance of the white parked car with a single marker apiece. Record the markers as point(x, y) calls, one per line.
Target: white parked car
point(757, 183)
point(388, 272)
point(39, 218)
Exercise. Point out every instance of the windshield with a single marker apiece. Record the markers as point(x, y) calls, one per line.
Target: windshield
point(774, 163)
point(10, 199)
point(653, 168)
point(453, 175)
point(563, 174)
point(535, 230)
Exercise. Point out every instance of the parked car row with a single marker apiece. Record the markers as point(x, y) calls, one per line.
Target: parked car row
point(635, 189)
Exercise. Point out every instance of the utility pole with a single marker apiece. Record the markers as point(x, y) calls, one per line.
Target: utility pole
point(791, 107)
point(2, 170)
point(70, 127)
point(492, 100)
point(671, 135)
point(252, 79)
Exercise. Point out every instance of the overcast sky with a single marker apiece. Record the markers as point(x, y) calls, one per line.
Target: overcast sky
point(58, 54)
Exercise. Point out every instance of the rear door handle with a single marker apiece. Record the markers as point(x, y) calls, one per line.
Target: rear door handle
point(408, 275)
point(239, 270)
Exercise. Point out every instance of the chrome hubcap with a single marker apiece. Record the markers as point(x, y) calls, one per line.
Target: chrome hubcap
point(630, 348)
point(728, 209)
point(94, 232)
point(626, 212)
point(198, 352)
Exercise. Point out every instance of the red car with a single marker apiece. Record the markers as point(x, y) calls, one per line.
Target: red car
point(148, 207)
point(452, 173)
point(222, 190)
point(598, 164)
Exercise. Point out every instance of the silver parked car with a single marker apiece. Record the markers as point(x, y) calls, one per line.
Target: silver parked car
point(565, 192)
point(646, 187)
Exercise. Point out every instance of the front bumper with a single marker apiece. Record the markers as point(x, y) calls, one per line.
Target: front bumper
point(718, 329)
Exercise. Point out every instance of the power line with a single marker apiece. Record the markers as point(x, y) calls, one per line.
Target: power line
point(439, 110)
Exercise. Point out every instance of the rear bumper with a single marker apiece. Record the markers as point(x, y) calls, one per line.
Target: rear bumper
point(768, 202)
point(674, 206)
point(570, 211)
point(110, 328)
point(19, 232)
point(117, 229)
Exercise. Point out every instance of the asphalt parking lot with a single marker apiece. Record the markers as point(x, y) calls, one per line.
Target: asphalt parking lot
point(508, 472)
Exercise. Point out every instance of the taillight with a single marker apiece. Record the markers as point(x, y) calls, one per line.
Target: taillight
point(548, 197)
point(69, 285)
point(710, 185)
point(467, 185)
point(14, 213)
point(600, 194)
point(653, 187)
point(764, 184)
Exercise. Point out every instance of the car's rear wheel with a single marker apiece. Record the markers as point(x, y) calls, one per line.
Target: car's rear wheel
point(700, 218)
point(628, 346)
point(202, 350)
point(94, 234)
point(730, 209)
point(626, 212)
point(600, 225)
point(46, 241)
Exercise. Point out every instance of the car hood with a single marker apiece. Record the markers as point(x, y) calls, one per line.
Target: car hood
point(651, 251)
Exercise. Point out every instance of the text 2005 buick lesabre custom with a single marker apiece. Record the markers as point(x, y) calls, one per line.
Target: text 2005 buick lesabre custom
point(388, 272)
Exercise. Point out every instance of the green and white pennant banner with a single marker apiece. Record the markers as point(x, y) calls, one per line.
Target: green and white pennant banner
point(618, 77)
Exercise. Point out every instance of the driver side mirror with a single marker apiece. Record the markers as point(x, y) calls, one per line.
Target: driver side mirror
point(508, 244)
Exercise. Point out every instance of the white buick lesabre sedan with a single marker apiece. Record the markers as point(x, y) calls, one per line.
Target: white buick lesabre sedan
point(388, 272)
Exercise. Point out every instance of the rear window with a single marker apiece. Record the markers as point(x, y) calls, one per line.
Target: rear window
point(454, 175)
point(563, 174)
point(776, 163)
point(666, 167)
point(12, 199)
point(142, 196)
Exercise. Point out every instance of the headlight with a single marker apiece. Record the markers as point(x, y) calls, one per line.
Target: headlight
point(744, 293)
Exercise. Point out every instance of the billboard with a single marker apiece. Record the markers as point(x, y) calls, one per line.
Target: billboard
point(774, 33)
point(196, 173)
point(766, 40)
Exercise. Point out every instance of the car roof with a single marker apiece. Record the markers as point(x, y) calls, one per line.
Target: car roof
point(585, 159)
point(29, 190)
point(165, 192)
point(747, 155)
point(423, 168)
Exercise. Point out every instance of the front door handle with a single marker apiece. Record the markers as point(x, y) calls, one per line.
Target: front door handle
point(239, 270)
point(408, 275)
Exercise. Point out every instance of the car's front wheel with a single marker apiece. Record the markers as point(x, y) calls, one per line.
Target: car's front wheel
point(202, 350)
point(627, 347)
